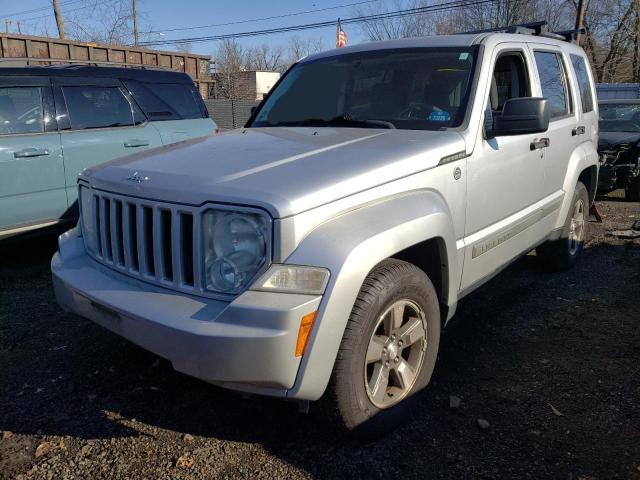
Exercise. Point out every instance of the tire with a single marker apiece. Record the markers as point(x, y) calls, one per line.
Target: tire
point(562, 254)
point(632, 192)
point(354, 400)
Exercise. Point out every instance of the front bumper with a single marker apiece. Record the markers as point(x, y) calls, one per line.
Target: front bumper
point(247, 344)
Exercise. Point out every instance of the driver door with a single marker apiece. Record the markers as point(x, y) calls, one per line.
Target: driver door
point(505, 176)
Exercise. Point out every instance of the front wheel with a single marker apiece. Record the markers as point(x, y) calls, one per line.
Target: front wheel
point(388, 351)
point(562, 254)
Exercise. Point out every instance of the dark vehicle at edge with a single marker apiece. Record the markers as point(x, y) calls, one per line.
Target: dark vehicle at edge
point(619, 147)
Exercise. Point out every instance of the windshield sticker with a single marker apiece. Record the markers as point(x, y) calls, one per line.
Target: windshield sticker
point(440, 116)
point(463, 56)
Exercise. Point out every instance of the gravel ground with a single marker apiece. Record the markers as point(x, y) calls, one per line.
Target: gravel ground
point(550, 362)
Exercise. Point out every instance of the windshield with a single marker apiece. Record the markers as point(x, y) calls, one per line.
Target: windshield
point(423, 89)
point(619, 117)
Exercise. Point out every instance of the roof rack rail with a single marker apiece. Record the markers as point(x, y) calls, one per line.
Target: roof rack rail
point(570, 35)
point(540, 28)
point(531, 28)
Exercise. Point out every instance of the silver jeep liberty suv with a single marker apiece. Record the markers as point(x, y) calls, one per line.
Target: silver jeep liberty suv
point(317, 252)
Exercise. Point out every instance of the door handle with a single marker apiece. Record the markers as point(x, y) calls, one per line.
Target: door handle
point(136, 143)
point(539, 143)
point(578, 131)
point(31, 152)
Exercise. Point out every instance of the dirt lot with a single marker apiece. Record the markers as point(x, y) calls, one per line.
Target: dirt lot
point(552, 362)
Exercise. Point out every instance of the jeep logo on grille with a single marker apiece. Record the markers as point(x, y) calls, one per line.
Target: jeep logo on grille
point(136, 177)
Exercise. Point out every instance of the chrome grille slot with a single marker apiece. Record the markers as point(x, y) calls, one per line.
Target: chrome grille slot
point(186, 248)
point(117, 239)
point(131, 237)
point(165, 245)
point(105, 228)
point(148, 245)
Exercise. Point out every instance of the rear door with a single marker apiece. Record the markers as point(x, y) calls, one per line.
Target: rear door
point(588, 128)
point(175, 109)
point(32, 182)
point(563, 134)
point(99, 121)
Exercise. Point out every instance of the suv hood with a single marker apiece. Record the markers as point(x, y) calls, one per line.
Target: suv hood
point(283, 170)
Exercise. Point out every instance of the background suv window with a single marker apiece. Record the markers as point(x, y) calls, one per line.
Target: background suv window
point(21, 110)
point(99, 107)
point(552, 81)
point(167, 101)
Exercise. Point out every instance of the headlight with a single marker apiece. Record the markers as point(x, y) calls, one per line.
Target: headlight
point(293, 279)
point(85, 199)
point(235, 249)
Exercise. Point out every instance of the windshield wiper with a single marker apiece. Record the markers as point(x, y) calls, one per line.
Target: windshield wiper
point(340, 120)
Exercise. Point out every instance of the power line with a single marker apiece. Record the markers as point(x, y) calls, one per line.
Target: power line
point(39, 9)
point(30, 19)
point(263, 18)
point(310, 26)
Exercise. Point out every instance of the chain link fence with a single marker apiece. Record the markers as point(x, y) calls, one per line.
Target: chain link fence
point(229, 114)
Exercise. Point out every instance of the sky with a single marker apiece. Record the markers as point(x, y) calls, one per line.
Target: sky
point(163, 15)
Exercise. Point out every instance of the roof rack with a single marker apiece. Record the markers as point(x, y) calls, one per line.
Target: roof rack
point(540, 28)
point(73, 64)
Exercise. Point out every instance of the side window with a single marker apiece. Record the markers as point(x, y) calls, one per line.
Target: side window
point(552, 81)
point(21, 110)
point(510, 80)
point(168, 101)
point(99, 107)
point(586, 93)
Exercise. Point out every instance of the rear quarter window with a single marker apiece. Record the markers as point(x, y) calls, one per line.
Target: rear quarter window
point(167, 101)
point(584, 84)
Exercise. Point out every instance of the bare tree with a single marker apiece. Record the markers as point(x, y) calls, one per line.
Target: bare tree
point(415, 25)
point(265, 57)
point(229, 60)
point(298, 48)
point(105, 21)
point(185, 46)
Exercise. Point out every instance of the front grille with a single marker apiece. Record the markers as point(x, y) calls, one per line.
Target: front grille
point(156, 242)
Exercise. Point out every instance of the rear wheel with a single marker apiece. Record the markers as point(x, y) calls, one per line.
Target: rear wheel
point(562, 254)
point(388, 351)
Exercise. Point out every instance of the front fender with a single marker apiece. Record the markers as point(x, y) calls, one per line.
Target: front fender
point(350, 246)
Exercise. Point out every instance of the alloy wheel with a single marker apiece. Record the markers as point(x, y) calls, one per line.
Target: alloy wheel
point(395, 353)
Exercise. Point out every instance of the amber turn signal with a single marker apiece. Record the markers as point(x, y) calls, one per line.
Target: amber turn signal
point(306, 324)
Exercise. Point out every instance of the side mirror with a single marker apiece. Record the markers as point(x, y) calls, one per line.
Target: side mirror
point(521, 116)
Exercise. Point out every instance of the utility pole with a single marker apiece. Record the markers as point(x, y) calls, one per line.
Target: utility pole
point(135, 22)
point(59, 23)
point(579, 19)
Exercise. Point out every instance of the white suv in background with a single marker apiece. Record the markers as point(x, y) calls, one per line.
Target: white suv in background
point(317, 252)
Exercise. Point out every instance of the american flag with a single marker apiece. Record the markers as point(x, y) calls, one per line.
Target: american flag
point(341, 36)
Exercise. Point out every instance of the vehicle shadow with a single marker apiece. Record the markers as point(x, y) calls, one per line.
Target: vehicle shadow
point(516, 346)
